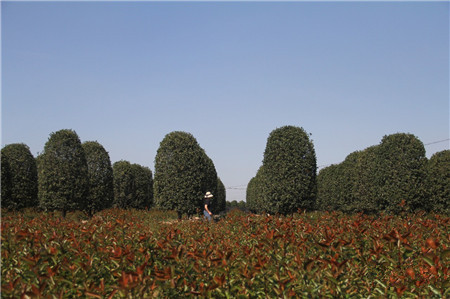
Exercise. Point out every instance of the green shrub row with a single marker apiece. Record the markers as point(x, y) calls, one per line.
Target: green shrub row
point(70, 175)
point(286, 181)
point(394, 176)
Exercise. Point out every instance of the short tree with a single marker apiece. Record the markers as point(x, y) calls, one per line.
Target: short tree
point(19, 177)
point(183, 174)
point(289, 171)
point(63, 173)
point(438, 182)
point(100, 175)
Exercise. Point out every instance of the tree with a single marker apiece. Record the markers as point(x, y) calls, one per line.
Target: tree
point(124, 184)
point(143, 185)
point(100, 177)
point(219, 201)
point(289, 171)
point(183, 174)
point(254, 196)
point(401, 169)
point(63, 173)
point(438, 182)
point(19, 177)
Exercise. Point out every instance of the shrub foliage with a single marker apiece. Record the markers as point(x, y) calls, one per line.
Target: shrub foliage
point(19, 177)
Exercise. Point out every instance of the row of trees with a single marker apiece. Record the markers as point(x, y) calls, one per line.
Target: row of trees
point(286, 181)
point(70, 175)
point(393, 176)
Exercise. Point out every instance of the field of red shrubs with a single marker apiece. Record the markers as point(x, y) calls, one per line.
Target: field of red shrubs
point(138, 254)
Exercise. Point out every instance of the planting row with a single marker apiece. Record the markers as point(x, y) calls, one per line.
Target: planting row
point(122, 253)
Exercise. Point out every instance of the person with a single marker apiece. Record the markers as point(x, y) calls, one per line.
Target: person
point(206, 203)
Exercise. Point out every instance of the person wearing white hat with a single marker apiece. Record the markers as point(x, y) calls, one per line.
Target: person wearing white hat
point(206, 203)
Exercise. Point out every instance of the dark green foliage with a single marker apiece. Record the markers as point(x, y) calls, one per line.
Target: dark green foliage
point(289, 171)
point(143, 187)
point(100, 174)
point(387, 177)
point(124, 188)
point(183, 174)
point(5, 183)
point(19, 177)
point(367, 180)
point(328, 189)
point(63, 173)
point(254, 196)
point(218, 203)
point(401, 170)
point(438, 182)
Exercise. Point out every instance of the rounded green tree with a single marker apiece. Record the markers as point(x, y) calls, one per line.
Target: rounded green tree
point(289, 171)
point(100, 174)
point(19, 177)
point(63, 173)
point(183, 174)
point(401, 173)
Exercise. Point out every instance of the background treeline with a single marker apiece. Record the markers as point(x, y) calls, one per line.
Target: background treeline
point(69, 175)
point(393, 176)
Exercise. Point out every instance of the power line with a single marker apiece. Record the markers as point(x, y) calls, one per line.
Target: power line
point(438, 141)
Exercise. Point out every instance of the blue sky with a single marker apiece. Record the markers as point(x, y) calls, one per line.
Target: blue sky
point(128, 73)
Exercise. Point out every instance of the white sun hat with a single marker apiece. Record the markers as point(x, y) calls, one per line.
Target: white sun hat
point(208, 195)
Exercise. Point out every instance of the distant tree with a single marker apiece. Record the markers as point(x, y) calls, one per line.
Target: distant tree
point(100, 175)
point(63, 173)
point(124, 184)
point(183, 174)
point(365, 188)
point(143, 184)
point(328, 188)
point(438, 182)
point(218, 202)
point(289, 171)
point(19, 177)
point(254, 194)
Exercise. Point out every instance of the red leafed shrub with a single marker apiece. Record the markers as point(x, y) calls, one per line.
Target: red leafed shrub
point(136, 253)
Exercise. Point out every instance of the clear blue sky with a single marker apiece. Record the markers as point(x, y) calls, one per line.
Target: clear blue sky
point(128, 73)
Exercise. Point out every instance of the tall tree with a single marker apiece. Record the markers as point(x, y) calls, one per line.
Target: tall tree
point(100, 175)
point(183, 174)
point(289, 171)
point(63, 173)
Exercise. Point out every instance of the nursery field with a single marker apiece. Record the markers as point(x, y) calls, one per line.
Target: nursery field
point(140, 254)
